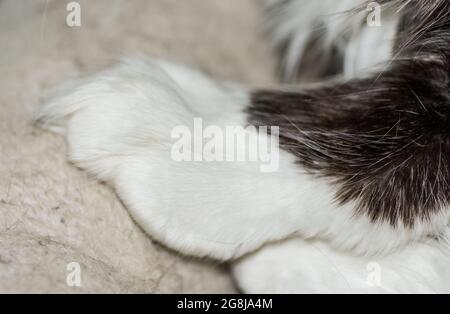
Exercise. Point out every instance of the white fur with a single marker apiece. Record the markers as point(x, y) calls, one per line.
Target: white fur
point(299, 266)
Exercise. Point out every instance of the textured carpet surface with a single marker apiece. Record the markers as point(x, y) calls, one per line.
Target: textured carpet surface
point(52, 214)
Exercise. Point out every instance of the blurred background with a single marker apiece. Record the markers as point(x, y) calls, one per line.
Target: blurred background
point(61, 231)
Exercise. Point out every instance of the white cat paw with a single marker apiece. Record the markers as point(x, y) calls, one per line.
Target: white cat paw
point(118, 126)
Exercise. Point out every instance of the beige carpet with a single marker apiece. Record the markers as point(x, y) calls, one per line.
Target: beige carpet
point(52, 214)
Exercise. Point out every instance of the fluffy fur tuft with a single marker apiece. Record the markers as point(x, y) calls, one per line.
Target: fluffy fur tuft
point(321, 39)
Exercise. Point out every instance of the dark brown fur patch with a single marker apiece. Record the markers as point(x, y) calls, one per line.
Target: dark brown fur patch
point(384, 140)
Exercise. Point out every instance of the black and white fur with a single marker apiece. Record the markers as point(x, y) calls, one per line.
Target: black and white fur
point(365, 161)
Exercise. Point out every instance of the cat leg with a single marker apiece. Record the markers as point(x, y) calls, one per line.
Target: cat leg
point(299, 266)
